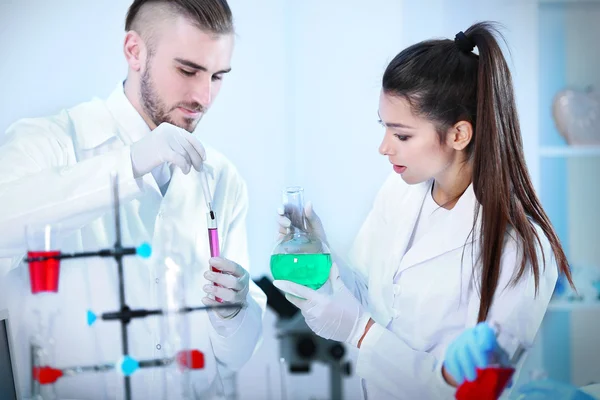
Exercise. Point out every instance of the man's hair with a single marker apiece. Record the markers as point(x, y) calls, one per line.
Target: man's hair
point(212, 16)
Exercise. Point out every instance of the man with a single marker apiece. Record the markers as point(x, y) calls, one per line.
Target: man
point(57, 171)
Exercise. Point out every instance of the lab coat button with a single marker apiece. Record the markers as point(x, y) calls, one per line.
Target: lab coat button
point(158, 346)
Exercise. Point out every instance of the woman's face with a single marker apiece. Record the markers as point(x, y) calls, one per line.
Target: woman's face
point(411, 143)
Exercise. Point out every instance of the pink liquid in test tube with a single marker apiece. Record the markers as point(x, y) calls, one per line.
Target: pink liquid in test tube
point(213, 238)
point(213, 241)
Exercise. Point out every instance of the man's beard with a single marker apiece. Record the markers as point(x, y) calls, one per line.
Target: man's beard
point(157, 110)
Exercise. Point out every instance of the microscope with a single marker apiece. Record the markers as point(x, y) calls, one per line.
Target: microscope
point(299, 346)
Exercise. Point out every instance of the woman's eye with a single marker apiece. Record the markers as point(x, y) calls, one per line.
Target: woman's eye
point(402, 138)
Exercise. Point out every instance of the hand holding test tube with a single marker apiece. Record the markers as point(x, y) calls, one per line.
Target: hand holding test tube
point(211, 222)
point(230, 280)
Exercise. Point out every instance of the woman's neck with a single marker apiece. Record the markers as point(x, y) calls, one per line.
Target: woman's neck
point(448, 188)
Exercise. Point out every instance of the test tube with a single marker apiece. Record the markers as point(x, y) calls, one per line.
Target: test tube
point(211, 223)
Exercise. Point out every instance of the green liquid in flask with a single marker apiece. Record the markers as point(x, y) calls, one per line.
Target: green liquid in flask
point(310, 270)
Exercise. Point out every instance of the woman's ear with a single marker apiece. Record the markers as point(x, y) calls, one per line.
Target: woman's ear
point(460, 135)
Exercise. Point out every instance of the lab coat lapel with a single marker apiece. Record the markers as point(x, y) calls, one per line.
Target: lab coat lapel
point(454, 231)
point(149, 204)
point(182, 204)
point(408, 209)
point(184, 210)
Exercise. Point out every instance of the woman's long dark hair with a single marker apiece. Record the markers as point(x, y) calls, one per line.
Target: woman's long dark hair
point(445, 82)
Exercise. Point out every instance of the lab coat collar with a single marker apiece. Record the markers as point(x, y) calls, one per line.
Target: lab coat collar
point(452, 232)
point(98, 121)
point(132, 126)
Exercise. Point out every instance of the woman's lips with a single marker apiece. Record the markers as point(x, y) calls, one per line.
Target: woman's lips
point(399, 169)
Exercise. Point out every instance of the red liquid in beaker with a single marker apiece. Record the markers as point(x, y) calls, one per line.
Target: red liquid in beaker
point(190, 359)
point(43, 275)
point(488, 385)
point(46, 375)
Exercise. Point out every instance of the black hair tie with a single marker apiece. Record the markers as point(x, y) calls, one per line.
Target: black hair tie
point(463, 42)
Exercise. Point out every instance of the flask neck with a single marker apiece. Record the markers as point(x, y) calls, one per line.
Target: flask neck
point(293, 205)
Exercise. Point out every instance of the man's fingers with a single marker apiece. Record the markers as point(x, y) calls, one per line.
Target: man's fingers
point(227, 266)
point(222, 293)
point(210, 302)
point(179, 160)
point(194, 156)
point(197, 146)
point(225, 280)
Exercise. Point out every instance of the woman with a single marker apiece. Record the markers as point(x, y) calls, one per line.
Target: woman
point(456, 235)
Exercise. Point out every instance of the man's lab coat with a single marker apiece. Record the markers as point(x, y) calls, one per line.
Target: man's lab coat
point(56, 170)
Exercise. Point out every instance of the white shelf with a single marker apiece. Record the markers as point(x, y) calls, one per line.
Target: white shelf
point(570, 151)
point(567, 2)
point(563, 305)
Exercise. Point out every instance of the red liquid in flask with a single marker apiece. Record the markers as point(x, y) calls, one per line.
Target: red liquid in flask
point(43, 275)
point(488, 385)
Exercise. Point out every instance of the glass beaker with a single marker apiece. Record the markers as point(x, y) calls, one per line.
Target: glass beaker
point(300, 256)
point(42, 241)
point(491, 381)
point(174, 259)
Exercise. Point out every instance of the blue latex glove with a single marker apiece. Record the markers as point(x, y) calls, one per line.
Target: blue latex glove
point(473, 349)
point(550, 390)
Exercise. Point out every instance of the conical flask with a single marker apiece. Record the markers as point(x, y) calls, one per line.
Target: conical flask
point(300, 256)
point(491, 381)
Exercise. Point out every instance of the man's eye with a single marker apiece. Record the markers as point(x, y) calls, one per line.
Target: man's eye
point(186, 73)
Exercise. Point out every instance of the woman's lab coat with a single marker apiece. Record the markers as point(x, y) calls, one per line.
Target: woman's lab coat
point(57, 170)
point(435, 298)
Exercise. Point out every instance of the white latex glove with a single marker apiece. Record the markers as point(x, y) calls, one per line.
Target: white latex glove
point(331, 312)
point(233, 285)
point(315, 226)
point(167, 143)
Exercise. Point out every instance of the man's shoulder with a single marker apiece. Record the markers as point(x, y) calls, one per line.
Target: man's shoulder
point(39, 125)
point(59, 124)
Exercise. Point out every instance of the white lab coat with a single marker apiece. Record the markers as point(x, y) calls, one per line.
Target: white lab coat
point(57, 170)
point(434, 299)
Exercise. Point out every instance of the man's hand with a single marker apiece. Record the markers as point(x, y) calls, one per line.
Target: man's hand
point(233, 285)
point(167, 144)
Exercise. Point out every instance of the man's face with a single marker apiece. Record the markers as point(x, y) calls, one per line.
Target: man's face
point(182, 74)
